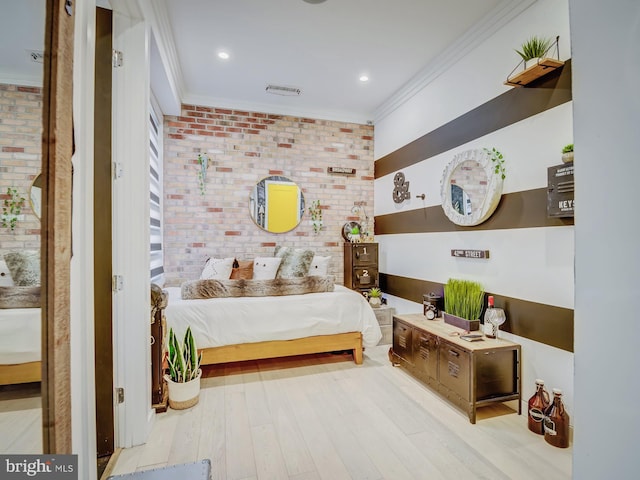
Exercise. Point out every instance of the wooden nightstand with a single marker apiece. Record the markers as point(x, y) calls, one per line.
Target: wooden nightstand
point(384, 314)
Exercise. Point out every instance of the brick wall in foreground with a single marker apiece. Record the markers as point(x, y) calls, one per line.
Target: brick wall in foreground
point(244, 147)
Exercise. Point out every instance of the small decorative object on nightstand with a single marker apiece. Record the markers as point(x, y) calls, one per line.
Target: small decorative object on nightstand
point(375, 297)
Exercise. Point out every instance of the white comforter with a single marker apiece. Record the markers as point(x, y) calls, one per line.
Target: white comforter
point(19, 335)
point(229, 321)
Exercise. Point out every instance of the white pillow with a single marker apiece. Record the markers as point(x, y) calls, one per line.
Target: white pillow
point(265, 268)
point(217, 269)
point(5, 275)
point(319, 266)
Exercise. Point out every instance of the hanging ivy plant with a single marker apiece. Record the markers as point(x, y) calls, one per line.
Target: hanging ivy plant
point(11, 208)
point(498, 162)
point(203, 163)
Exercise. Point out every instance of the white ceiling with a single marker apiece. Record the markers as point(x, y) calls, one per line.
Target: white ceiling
point(320, 48)
point(21, 31)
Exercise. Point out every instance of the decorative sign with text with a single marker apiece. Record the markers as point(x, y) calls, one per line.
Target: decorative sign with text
point(470, 253)
point(341, 170)
point(560, 191)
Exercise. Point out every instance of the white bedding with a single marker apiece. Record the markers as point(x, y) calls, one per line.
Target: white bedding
point(19, 335)
point(229, 321)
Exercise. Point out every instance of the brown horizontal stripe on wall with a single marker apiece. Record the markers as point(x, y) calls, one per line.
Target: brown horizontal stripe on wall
point(539, 322)
point(525, 209)
point(513, 106)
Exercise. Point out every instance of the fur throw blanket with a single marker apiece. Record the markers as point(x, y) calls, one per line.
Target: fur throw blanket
point(20, 297)
point(256, 288)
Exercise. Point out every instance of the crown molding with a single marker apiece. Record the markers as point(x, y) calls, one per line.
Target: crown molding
point(155, 13)
point(501, 15)
point(318, 114)
point(21, 80)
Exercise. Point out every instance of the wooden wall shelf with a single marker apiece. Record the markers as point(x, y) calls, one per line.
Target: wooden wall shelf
point(528, 75)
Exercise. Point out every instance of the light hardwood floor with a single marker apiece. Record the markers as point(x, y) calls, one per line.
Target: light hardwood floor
point(20, 419)
point(323, 417)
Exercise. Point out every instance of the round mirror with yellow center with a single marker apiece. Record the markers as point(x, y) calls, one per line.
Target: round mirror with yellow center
point(35, 196)
point(276, 204)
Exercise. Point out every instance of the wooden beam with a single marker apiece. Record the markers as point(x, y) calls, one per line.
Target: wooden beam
point(57, 148)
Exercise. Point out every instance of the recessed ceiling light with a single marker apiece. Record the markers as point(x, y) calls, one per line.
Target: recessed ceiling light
point(314, 1)
point(223, 55)
point(364, 78)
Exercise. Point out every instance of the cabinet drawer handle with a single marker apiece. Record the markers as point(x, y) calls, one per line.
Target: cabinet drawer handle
point(454, 353)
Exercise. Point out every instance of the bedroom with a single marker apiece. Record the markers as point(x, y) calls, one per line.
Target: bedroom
point(404, 270)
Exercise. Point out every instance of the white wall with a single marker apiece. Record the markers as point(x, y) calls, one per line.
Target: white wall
point(534, 264)
point(606, 125)
point(83, 399)
point(131, 308)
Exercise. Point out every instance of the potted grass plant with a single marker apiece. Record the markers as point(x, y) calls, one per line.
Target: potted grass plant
point(184, 375)
point(463, 301)
point(533, 49)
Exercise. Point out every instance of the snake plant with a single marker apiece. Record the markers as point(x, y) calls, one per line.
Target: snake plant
point(184, 360)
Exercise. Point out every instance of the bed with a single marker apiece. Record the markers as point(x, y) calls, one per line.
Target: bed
point(20, 319)
point(20, 345)
point(250, 328)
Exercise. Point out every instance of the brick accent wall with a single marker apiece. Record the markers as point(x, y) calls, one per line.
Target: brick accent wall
point(244, 147)
point(20, 159)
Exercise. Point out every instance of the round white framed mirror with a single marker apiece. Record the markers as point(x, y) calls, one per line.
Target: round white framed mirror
point(470, 189)
point(276, 204)
point(35, 196)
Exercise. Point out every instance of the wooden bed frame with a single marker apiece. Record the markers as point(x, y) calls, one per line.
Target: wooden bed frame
point(237, 353)
point(285, 348)
point(20, 373)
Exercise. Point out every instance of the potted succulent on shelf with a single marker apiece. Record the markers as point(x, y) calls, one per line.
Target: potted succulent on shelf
point(534, 49)
point(184, 375)
point(375, 297)
point(567, 153)
point(463, 301)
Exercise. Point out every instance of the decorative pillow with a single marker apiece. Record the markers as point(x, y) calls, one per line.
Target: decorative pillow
point(217, 268)
point(243, 270)
point(319, 266)
point(265, 268)
point(5, 275)
point(295, 262)
point(24, 267)
point(275, 287)
point(20, 297)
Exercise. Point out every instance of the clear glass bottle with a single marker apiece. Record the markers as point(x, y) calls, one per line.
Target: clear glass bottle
point(556, 422)
point(538, 403)
point(487, 327)
point(493, 318)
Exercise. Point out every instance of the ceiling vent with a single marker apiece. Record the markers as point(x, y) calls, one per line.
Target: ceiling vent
point(282, 90)
point(36, 56)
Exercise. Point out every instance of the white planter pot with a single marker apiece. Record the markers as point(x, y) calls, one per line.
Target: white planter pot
point(185, 394)
point(375, 302)
point(531, 62)
point(567, 157)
